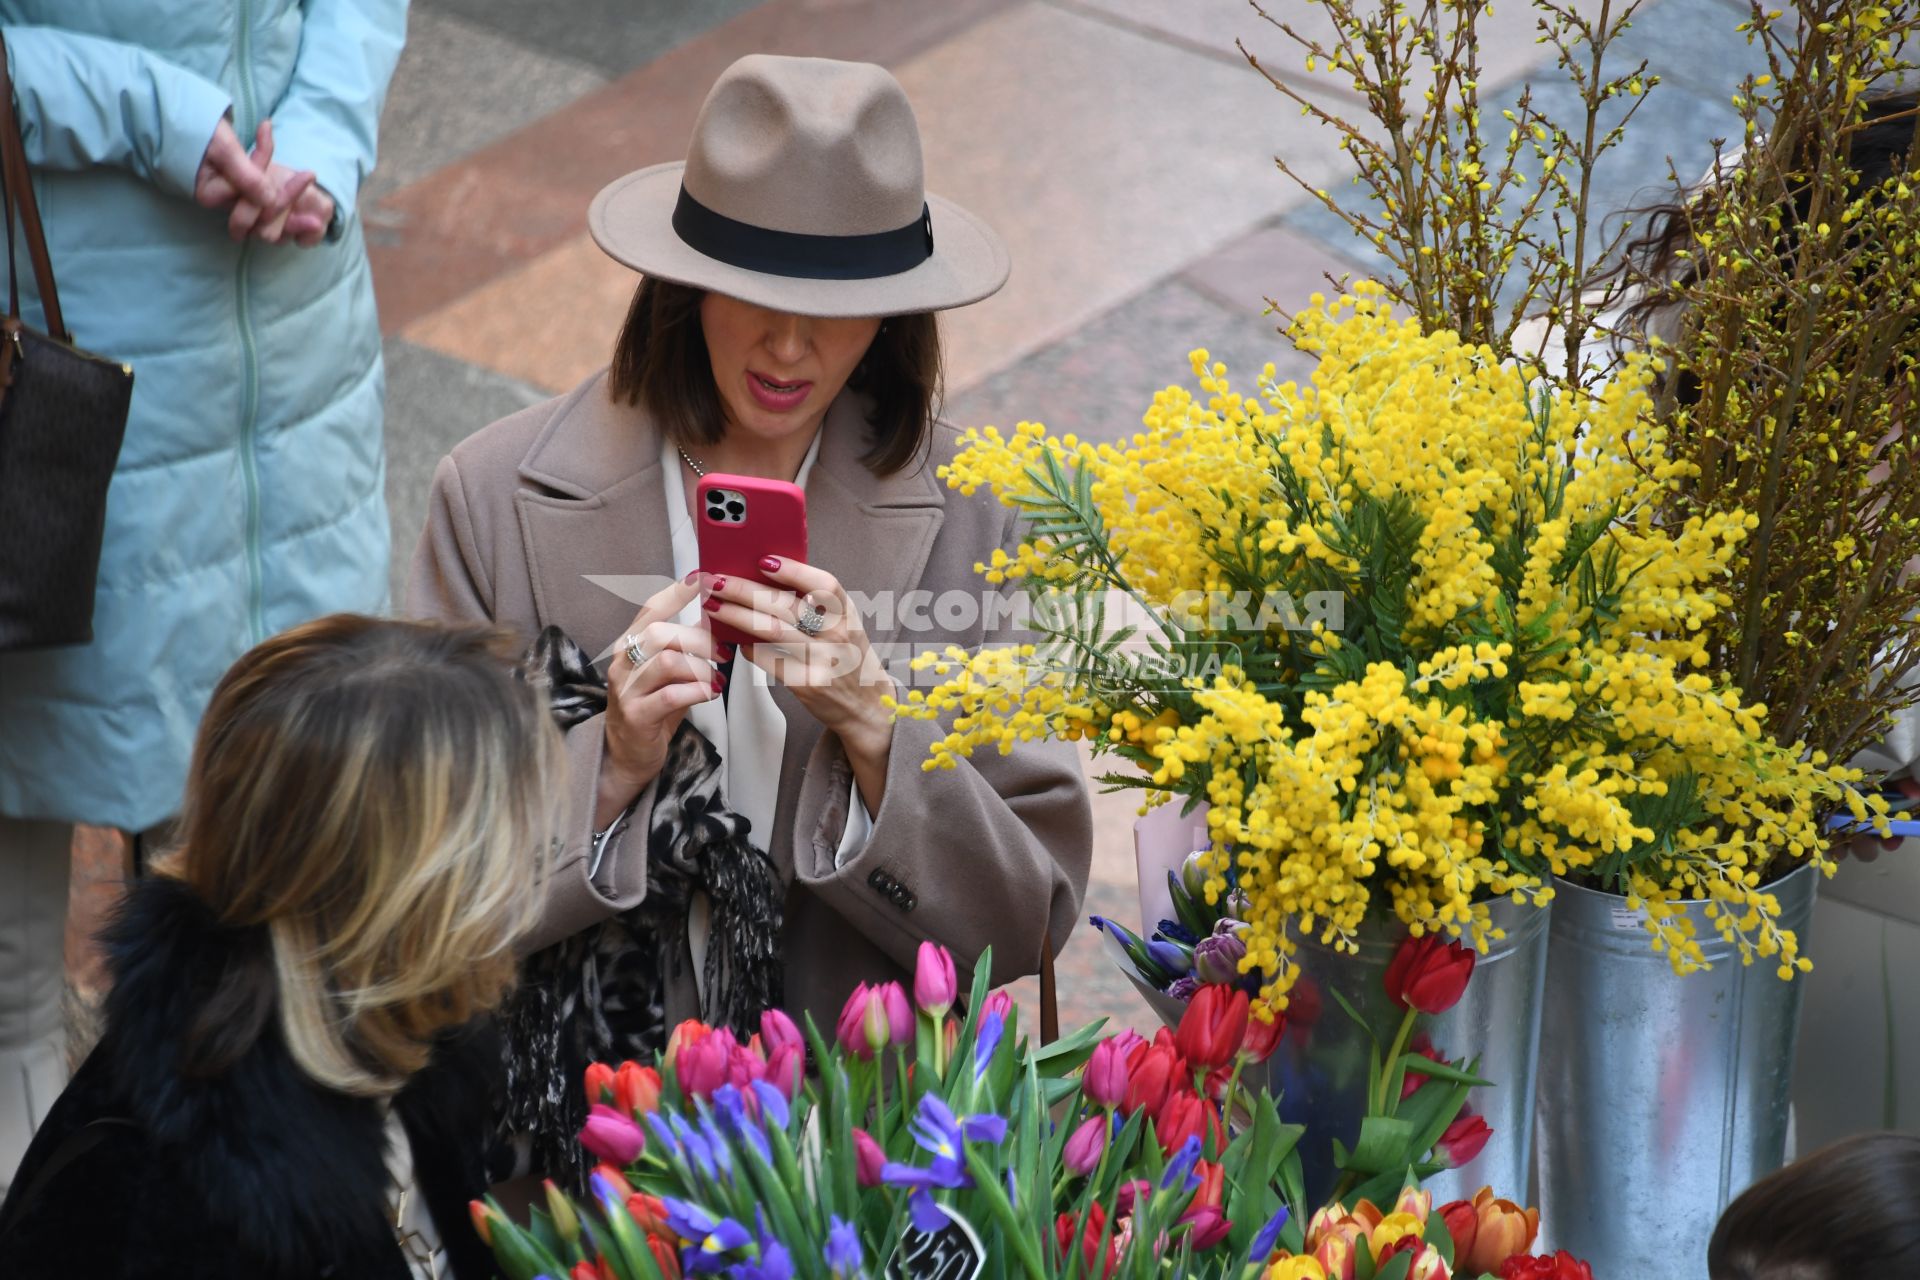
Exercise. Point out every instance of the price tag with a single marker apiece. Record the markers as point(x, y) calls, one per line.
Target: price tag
point(1627, 920)
point(952, 1253)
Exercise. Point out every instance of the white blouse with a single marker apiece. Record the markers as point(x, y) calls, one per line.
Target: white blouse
point(747, 727)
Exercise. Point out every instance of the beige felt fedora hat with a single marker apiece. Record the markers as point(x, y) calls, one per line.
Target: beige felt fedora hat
point(802, 191)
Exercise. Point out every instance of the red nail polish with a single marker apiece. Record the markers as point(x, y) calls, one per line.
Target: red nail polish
point(719, 683)
point(692, 578)
point(713, 604)
point(716, 583)
point(770, 563)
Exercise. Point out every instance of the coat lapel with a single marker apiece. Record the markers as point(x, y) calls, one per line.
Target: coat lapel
point(595, 528)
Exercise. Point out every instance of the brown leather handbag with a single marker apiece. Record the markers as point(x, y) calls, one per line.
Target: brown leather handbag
point(63, 414)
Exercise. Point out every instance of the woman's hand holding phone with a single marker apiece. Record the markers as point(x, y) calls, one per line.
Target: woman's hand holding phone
point(834, 672)
point(1868, 848)
point(646, 703)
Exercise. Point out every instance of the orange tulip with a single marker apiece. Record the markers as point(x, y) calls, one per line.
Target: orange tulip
point(1335, 1256)
point(1213, 1185)
point(636, 1089)
point(599, 1082)
point(1504, 1229)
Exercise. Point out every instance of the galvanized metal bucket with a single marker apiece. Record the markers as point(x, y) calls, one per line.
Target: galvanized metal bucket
point(1661, 1097)
point(1320, 1068)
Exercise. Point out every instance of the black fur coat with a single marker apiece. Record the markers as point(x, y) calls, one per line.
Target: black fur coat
point(258, 1174)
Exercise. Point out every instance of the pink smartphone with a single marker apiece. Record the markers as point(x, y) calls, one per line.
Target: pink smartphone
point(741, 520)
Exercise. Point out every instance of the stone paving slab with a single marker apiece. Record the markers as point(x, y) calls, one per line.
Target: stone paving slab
point(614, 35)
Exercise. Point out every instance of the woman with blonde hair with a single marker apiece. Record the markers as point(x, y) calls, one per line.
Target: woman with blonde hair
point(286, 1085)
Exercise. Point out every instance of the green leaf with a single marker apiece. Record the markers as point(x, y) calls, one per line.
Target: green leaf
point(1069, 1052)
point(1396, 1268)
point(1386, 1142)
point(1354, 1013)
point(1414, 1063)
point(1439, 1237)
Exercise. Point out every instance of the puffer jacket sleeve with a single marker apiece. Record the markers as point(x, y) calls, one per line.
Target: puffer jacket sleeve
point(86, 101)
point(329, 118)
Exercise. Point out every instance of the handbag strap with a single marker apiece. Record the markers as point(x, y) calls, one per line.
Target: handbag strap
point(1049, 998)
point(17, 181)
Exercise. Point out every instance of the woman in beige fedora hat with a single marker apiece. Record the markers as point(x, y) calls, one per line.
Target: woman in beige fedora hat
point(755, 829)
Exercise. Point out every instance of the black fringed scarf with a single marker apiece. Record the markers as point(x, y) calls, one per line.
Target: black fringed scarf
point(600, 995)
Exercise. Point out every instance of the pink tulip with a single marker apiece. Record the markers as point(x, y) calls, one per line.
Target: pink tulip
point(1106, 1077)
point(706, 1064)
point(1209, 1225)
point(935, 985)
point(1000, 1002)
point(1086, 1144)
point(849, 1030)
point(783, 1070)
point(777, 1029)
point(868, 1158)
point(612, 1136)
point(899, 1013)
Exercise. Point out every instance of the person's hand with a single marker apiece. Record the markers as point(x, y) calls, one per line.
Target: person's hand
point(1867, 848)
point(834, 673)
point(263, 199)
point(646, 704)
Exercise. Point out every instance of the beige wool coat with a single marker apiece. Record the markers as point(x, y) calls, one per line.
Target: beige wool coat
point(529, 512)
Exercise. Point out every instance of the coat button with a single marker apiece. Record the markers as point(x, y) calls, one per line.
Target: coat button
point(910, 903)
point(877, 879)
point(900, 896)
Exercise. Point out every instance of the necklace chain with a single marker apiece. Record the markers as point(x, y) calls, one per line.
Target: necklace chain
point(698, 470)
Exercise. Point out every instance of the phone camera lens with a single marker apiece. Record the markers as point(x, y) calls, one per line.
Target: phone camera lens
point(737, 510)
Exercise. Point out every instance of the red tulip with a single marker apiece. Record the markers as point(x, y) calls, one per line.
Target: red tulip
point(1561, 1266)
point(665, 1257)
point(1428, 973)
point(599, 1083)
point(1262, 1039)
point(1463, 1224)
point(584, 1271)
point(777, 1029)
point(1150, 1075)
point(612, 1136)
point(636, 1089)
point(1106, 1076)
point(648, 1212)
point(1462, 1141)
point(1209, 1225)
point(1411, 1082)
point(1091, 1232)
point(1183, 1116)
point(1211, 1029)
point(1213, 1184)
point(868, 1158)
point(934, 983)
point(482, 1221)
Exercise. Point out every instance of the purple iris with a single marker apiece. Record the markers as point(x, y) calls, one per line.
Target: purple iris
point(937, 1130)
point(709, 1239)
point(926, 1213)
point(1269, 1235)
point(985, 1040)
point(775, 1263)
point(773, 1104)
point(1174, 931)
point(842, 1254)
point(1179, 1170)
point(1171, 956)
point(732, 1106)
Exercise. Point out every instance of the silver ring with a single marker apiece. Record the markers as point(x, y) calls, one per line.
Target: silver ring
point(634, 655)
point(811, 621)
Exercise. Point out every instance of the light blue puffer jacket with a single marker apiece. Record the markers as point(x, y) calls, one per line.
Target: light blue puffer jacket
point(249, 492)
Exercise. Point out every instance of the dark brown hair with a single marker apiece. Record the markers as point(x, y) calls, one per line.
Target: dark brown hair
point(1651, 261)
point(1849, 1210)
point(660, 363)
